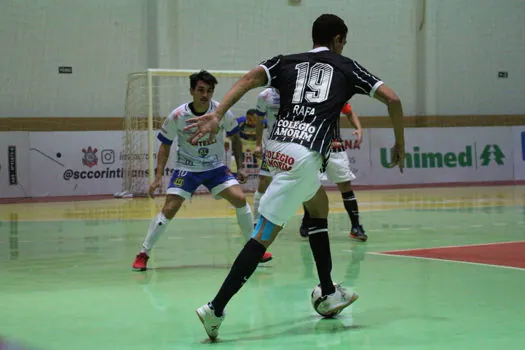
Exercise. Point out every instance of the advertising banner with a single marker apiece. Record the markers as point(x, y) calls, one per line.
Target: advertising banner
point(438, 155)
point(84, 163)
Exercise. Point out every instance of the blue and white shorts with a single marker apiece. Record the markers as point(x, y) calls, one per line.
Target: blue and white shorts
point(184, 183)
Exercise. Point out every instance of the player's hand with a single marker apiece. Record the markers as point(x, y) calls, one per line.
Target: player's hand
point(257, 151)
point(242, 177)
point(155, 185)
point(359, 134)
point(398, 156)
point(206, 124)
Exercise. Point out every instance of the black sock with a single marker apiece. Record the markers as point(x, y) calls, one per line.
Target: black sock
point(351, 207)
point(320, 245)
point(242, 268)
point(306, 216)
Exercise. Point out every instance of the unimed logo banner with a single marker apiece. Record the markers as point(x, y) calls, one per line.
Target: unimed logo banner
point(437, 155)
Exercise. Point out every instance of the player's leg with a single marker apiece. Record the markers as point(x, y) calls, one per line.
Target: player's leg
point(291, 186)
point(264, 182)
point(338, 171)
point(222, 183)
point(182, 185)
point(236, 197)
point(336, 297)
point(265, 177)
point(352, 208)
point(212, 314)
point(303, 229)
point(295, 183)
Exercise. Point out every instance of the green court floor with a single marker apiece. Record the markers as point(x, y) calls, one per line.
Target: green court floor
point(69, 285)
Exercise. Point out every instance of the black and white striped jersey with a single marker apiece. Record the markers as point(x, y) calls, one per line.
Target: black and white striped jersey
point(314, 87)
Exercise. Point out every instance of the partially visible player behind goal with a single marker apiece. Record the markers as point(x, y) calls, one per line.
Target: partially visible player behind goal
point(199, 164)
point(338, 172)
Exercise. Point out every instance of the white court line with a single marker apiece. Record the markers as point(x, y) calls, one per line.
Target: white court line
point(453, 261)
point(448, 246)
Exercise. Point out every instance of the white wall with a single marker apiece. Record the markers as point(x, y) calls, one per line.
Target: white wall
point(473, 40)
point(448, 68)
point(244, 32)
point(102, 40)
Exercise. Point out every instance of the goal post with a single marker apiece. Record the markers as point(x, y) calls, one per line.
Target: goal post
point(150, 97)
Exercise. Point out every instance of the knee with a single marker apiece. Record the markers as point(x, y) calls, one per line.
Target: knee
point(171, 207)
point(318, 213)
point(315, 226)
point(345, 186)
point(239, 200)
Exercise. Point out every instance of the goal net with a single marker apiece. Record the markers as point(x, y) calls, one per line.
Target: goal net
point(150, 97)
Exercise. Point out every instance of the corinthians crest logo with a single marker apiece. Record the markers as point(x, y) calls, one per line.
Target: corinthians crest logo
point(90, 157)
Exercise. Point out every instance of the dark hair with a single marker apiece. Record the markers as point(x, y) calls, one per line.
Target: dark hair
point(326, 27)
point(251, 111)
point(204, 76)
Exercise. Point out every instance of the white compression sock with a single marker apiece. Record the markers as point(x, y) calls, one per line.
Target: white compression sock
point(156, 229)
point(244, 219)
point(256, 200)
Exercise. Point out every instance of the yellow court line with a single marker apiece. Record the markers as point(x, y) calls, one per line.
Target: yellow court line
point(90, 216)
point(205, 207)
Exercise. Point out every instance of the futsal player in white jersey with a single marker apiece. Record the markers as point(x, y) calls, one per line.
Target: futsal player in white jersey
point(197, 164)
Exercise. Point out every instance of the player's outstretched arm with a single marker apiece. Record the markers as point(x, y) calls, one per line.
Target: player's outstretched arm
point(208, 123)
point(395, 111)
point(253, 79)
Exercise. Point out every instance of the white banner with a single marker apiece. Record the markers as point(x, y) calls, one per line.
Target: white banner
point(14, 165)
point(82, 163)
point(87, 163)
point(518, 137)
point(439, 155)
point(76, 163)
point(358, 156)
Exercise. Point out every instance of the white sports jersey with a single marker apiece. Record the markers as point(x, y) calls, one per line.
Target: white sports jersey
point(268, 102)
point(204, 155)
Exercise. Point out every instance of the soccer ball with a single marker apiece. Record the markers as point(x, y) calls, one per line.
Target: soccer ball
point(317, 298)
